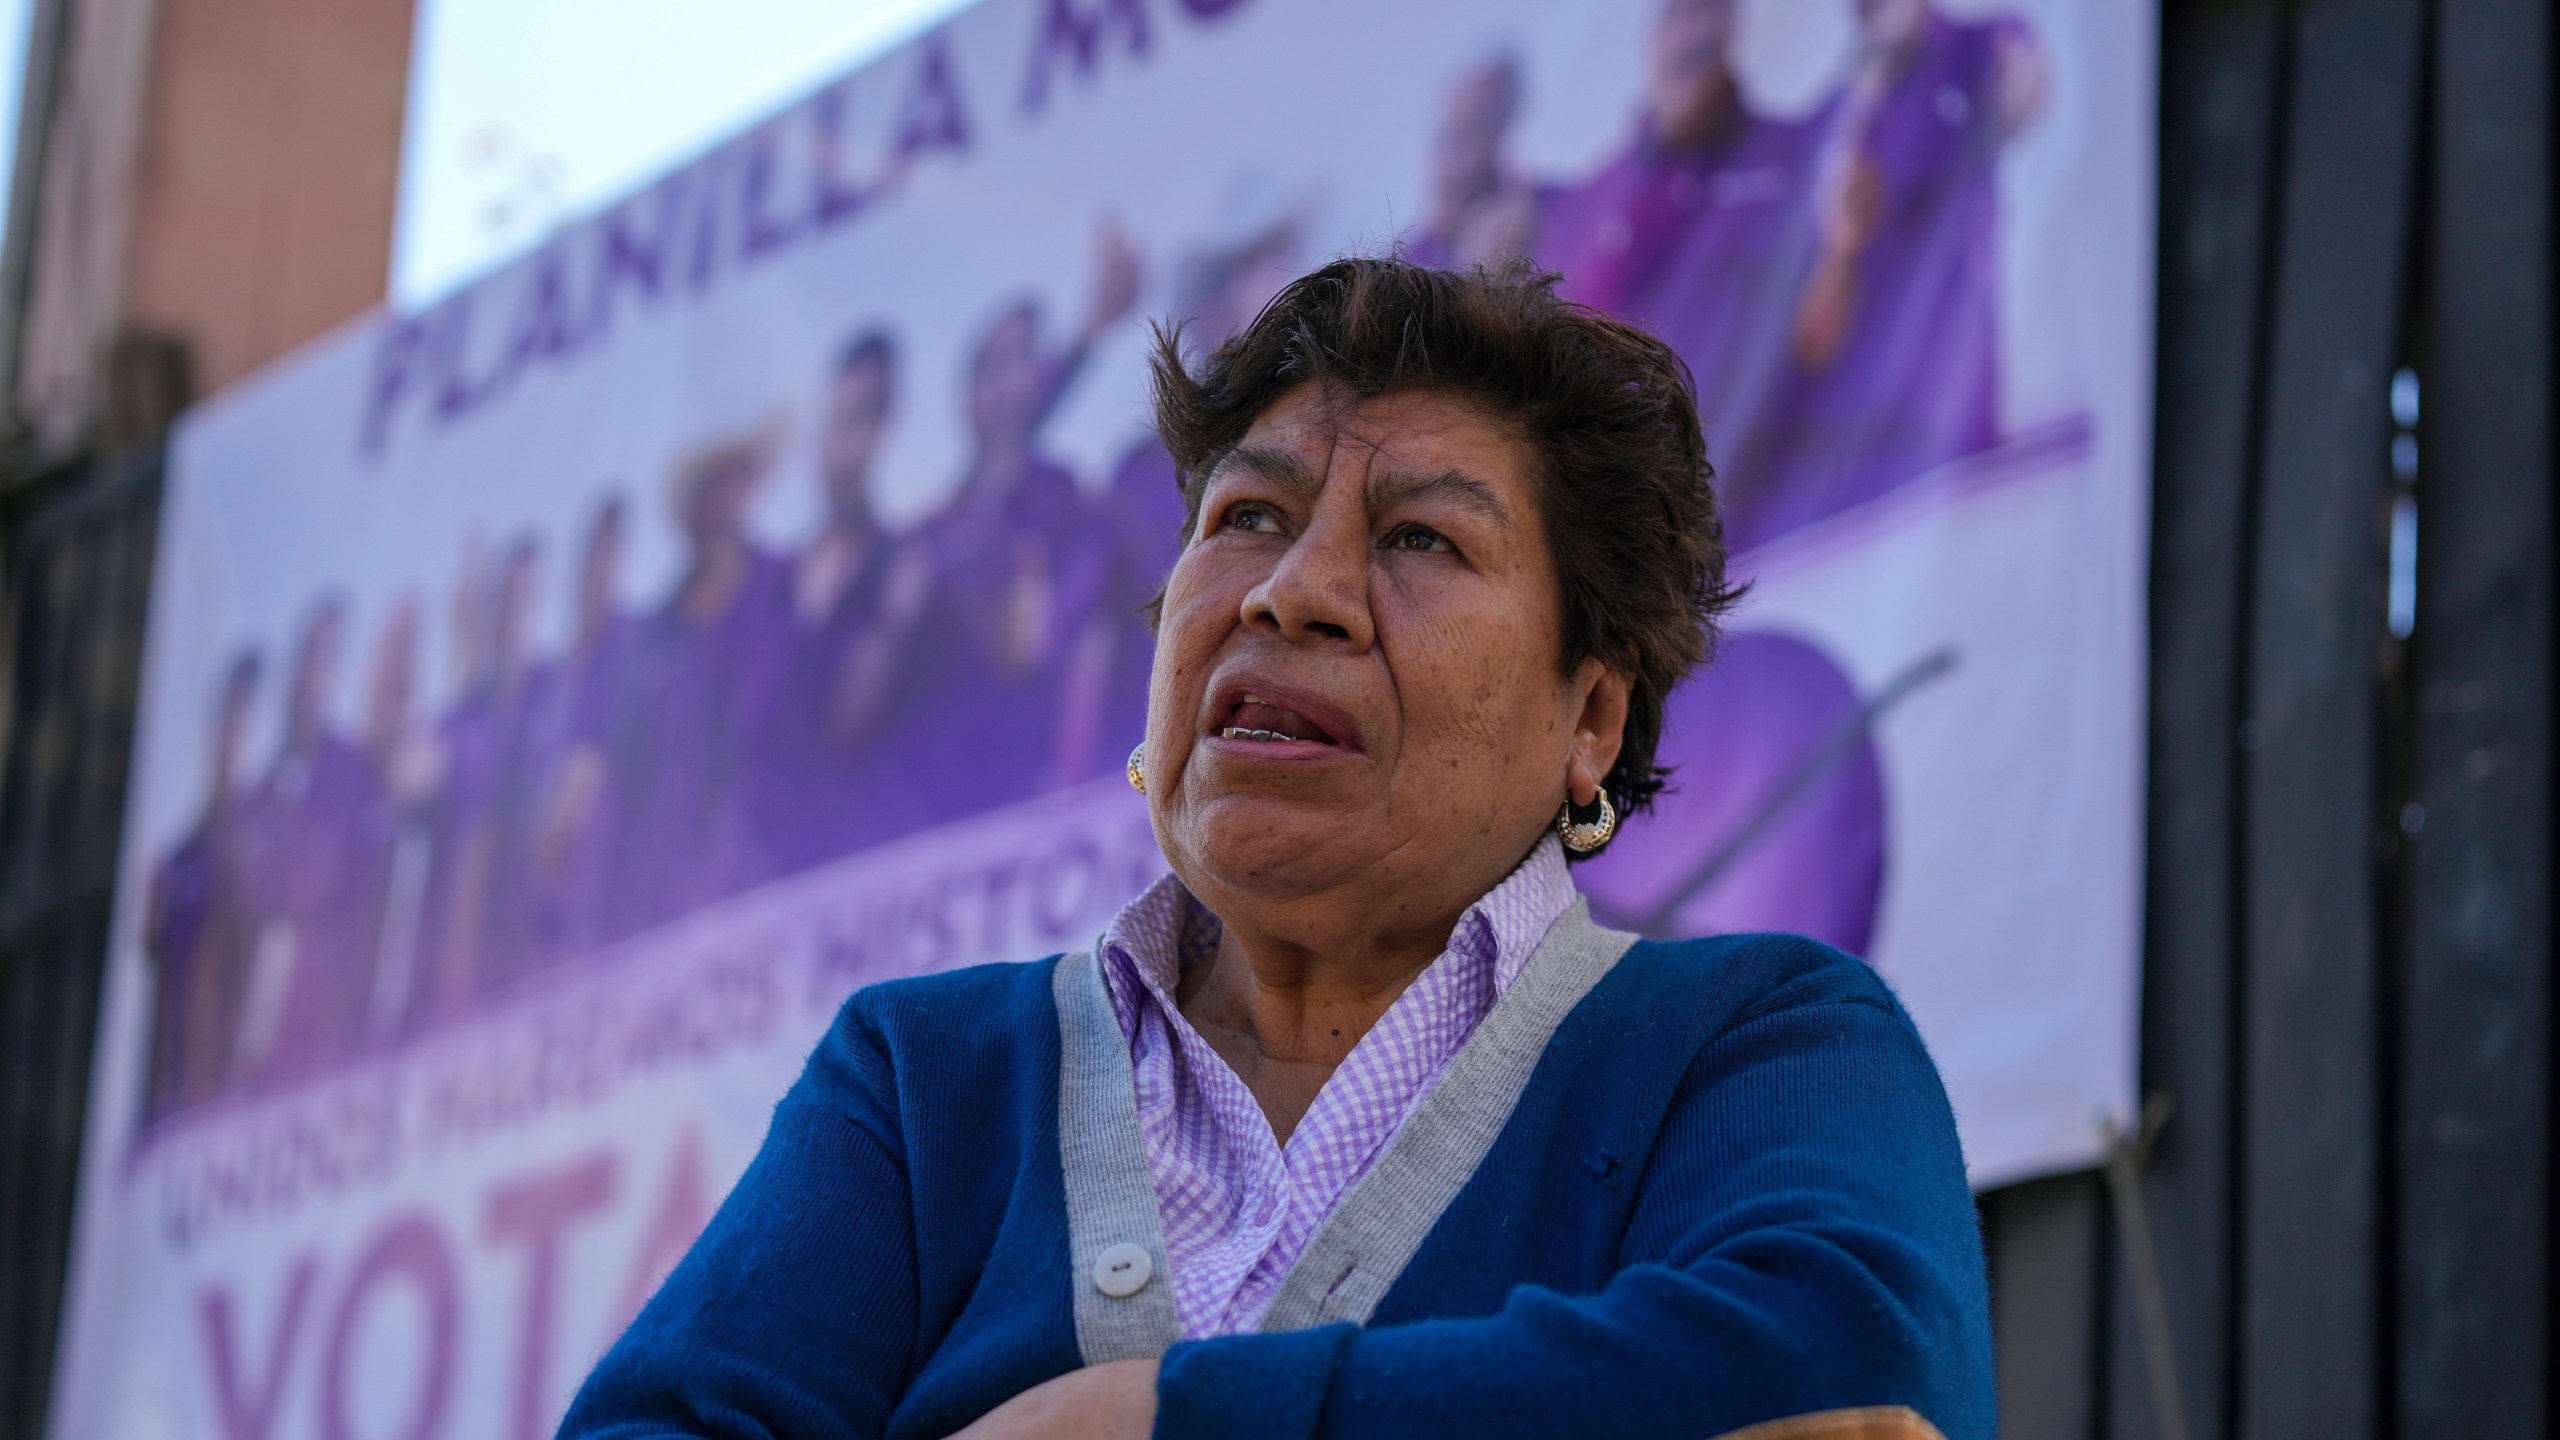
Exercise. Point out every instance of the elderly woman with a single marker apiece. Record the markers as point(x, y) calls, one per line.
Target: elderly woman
point(1357, 1125)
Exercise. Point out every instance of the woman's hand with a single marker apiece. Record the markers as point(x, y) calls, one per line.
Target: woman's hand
point(1116, 1401)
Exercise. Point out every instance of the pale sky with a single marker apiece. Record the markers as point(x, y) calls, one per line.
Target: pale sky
point(14, 15)
point(526, 113)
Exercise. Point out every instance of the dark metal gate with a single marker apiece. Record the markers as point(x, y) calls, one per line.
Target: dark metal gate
point(2347, 987)
point(75, 573)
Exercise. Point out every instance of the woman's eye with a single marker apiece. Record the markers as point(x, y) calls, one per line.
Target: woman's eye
point(1256, 519)
point(1420, 539)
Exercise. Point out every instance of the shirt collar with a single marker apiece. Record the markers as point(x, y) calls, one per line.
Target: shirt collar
point(1525, 906)
point(1166, 930)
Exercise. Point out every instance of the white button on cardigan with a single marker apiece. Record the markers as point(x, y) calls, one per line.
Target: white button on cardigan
point(1123, 1270)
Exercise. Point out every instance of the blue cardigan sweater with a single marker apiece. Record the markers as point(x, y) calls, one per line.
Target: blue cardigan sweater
point(1727, 1189)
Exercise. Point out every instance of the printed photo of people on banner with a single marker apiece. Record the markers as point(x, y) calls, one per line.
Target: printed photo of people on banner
point(1830, 279)
point(767, 713)
point(772, 554)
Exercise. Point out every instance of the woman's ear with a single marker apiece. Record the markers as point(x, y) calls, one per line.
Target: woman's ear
point(1599, 730)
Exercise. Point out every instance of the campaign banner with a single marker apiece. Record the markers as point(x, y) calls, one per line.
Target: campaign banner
point(560, 697)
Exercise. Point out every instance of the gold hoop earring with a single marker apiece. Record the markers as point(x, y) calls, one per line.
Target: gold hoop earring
point(1591, 828)
point(1138, 768)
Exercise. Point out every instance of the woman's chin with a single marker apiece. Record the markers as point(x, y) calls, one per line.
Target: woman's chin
point(1277, 845)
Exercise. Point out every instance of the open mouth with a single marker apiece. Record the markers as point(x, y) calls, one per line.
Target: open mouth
point(1256, 719)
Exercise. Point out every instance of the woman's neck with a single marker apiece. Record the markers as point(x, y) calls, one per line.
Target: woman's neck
point(1301, 974)
point(1284, 1013)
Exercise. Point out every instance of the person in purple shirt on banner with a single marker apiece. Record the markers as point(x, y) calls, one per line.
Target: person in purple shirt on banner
point(467, 622)
point(470, 664)
point(393, 839)
point(1896, 340)
point(1698, 229)
point(460, 954)
point(703, 679)
point(1019, 561)
point(485, 921)
point(192, 935)
point(305, 995)
point(563, 816)
point(823, 786)
point(1480, 209)
point(1775, 819)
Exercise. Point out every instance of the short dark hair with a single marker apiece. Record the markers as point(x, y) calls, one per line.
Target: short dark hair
point(1609, 410)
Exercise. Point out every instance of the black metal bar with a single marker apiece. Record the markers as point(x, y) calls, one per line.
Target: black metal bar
point(77, 573)
point(2044, 1246)
point(2309, 1227)
point(2128, 1151)
point(2475, 1144)
point(2221, 129)
point(21, 1076)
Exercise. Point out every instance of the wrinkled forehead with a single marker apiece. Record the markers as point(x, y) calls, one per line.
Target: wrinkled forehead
point(1327, 429)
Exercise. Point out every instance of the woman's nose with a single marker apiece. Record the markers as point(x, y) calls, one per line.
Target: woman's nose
point(1319, 589)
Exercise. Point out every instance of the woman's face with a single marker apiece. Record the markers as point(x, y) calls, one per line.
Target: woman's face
point(1357, 680)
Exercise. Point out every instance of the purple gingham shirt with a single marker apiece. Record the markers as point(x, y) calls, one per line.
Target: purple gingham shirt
point(1239, 1207)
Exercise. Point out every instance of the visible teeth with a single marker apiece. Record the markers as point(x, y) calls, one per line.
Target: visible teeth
point(1239, 732)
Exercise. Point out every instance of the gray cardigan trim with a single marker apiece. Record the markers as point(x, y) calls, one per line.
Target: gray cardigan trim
point(1365, 1244)
point(1111, 1197)
point(1355, 1257)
